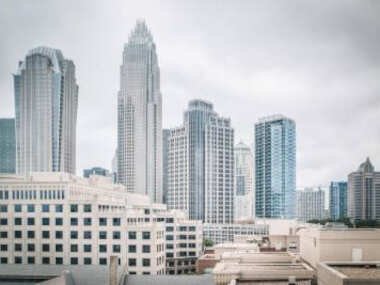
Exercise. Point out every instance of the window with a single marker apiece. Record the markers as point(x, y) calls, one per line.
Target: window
point(45, 208)
point(169, 237)
point(132, 261)
point(45, 234)
point(30, 222)
point(59, 247)
point(18, 259)
point(169, 229)
point(102, 235)
point(116, 221)
point(73, 234)
point(87, 235)
point(18, 208)
point(192, 228)
point(116, 235)
point(58, 260)
point(132, 248)
point(169, 220)
point(4, 221)
point(87, 208)
point(116, 248)
point(74, 260)
point(132, 272)
point(87, 260)
point(59, 208)
point(146, 248)
point(45, 221)
point(169, 246)
point(45, 247)
point(146, 262)
point(18, 222)
point(45, 260)
point(74, 221)
point(146, 273)
point(18, 234)
point(87, 221)
point(73, 208)
point(30, 208)
point(169, 254)
point(103, 261)
point(31, 247)
point(3, 208)
point(58, 221)
point(3, 247)
point(3, 234)
point(18, 247)
point(73, 248)
point(3, 260)
point(146, 235)
point(87, 247)
point(102, 221)
point(131, 235)
point(102, 248)
point(58, 234)
point(31, 260)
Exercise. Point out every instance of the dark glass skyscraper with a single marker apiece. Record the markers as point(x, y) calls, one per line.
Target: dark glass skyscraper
point(275, 167)
point(338, 200)
point(7, 146)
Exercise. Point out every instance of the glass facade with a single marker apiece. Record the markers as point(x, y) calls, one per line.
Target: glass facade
point(275, 167)
point(7, 146)
point(338, 200)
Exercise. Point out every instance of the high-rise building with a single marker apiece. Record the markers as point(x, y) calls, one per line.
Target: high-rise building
point(46, 102)
point(7, 146)
point(363, 194)
point(243, 198)
point(310, 204)
point(96, 171)
point(139, 116)
point(165, 148)
point(338, 200)
point(275, 167)
point(200, 165)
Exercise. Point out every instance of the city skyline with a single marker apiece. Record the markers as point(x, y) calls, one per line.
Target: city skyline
point(319, 159)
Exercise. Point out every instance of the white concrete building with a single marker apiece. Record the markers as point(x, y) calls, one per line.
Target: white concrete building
point(46, 103)
point(60, 219)
point(243, 193)
point(140, 116)
point(310, 204)
point(220, 233)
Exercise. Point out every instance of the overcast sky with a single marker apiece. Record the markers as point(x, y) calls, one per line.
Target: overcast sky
point(317, 62)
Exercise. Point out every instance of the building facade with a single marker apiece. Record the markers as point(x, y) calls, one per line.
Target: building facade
point(363, 200)
point(201, 165)
point(46, 103)
point(244, 194)
point(60, 219)
point(338, 200)
point(96, 171)
point(310, 204)
point(7, 146)
point(139, 116)
point(165, 157)
point(275, 167)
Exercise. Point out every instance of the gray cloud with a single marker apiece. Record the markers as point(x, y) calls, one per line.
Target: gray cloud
point(317, 62)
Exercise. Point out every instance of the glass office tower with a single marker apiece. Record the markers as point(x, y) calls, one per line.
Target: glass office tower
point(7, 146)
point(338, 200)
point(275, 167)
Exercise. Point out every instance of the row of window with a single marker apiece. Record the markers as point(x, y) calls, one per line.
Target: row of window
point(45, 247)
point(32, 194)
point(58, 260)
point(74, 234)
point(46, 208)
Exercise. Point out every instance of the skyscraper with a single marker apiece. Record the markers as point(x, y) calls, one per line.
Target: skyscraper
point(200, 165)
point(7, 146)
point(46, 102)
point(310, 204)
point(139, 116)
point(363, 199)
point(96, 171)
point(243, 198)
point(275, 167)
point(165, 148)
point(338, 200)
